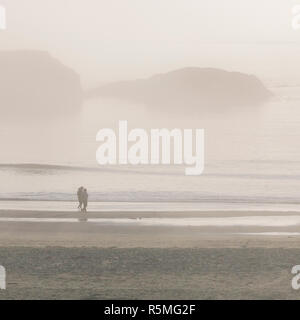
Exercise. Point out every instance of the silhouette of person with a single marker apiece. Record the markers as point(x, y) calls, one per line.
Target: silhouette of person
point(85, 198)
point(80, 197)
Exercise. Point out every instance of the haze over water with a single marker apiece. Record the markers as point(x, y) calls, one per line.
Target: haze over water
point(252, 159)
point(251, 154)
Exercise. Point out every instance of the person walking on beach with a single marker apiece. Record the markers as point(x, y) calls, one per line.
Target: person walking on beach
point(85, 198)
point(80, 197)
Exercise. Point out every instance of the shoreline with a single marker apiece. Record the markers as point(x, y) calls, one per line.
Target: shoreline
point(156, 206)
point(145, 213)
point(81, 233)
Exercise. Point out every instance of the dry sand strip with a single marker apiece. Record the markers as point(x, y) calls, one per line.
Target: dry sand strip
point(149, 273)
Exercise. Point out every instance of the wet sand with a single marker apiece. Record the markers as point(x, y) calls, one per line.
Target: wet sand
point(130, 235)
point(101, 261)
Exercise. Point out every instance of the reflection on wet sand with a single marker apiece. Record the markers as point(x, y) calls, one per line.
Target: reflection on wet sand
point(245, 221)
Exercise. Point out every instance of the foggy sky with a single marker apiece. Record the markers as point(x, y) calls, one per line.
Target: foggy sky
point(108, 40)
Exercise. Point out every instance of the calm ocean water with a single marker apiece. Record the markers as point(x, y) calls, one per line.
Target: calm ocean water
point(252, 160)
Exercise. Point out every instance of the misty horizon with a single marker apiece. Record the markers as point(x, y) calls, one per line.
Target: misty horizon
point(136, 39)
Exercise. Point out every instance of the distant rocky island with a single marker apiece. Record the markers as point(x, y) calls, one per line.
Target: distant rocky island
point(35, 81)
point(189, 87)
